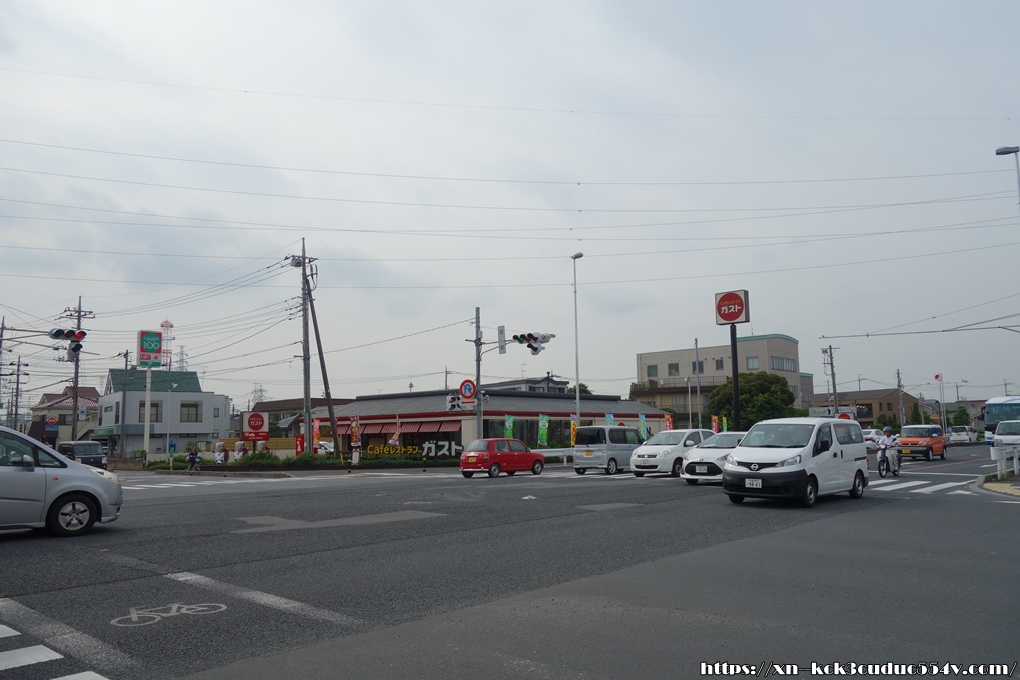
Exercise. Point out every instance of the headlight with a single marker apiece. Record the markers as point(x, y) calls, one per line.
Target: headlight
point(998, 442)
point(723, 459)
point(790, 461)
point(105, 474)
point(104, 460)
point(665, 452)
point(924, 442)
point(730, 460)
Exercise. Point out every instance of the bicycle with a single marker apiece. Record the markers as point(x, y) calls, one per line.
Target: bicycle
point(883, 461)
point(144, 617)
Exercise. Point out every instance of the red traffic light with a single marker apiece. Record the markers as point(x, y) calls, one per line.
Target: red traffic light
point(79, 335)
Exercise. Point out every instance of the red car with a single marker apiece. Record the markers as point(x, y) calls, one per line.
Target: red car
point(499, 455)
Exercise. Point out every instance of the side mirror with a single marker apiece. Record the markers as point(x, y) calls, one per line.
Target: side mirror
point(28, 462)
point(824, 445)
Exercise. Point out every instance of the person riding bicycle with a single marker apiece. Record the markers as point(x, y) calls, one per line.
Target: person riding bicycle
point(194, 460)
point(890, 441)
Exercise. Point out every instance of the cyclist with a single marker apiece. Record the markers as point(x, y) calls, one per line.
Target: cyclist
point(890, 441)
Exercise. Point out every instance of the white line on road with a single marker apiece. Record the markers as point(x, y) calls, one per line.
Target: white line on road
point(87, 675)
point(992, 465)
point(7, 632)
point(26, 656)
point(264, 599)
point(874, 482)
point(938, 487)
point(282, 524)
point(962, 493)
point(63, 637)
point(902, 485)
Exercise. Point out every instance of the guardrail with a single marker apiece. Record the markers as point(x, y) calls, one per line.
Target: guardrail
point(1000, 454)
point(562, 453)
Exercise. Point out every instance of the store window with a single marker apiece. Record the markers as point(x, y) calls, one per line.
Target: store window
point(153, 412)
point(190, 413)
point(752, 363)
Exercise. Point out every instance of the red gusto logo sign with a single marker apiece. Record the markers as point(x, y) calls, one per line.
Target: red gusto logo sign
point(254, 426)
point(731, 307)
point(256, 421)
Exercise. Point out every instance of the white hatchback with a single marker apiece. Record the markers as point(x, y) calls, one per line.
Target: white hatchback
point(664, 452)
point(705, 461)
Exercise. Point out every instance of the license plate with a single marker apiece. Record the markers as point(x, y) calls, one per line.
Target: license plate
point(701, 469)
point(752, 483)
point(589, 454)
point(904, 450)
point(472, 459)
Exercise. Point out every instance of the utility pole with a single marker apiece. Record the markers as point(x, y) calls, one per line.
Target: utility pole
point(306, 357)
point(17, 392)
point(899, 391)
point(78, 315)
point(858, 382)
point(1005, 389)
point(325, 380)
point(830, 364)
point(3, 327)
point(478, 373)
point(697, 372)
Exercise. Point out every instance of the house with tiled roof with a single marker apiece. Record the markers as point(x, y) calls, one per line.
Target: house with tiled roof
point(53, 416)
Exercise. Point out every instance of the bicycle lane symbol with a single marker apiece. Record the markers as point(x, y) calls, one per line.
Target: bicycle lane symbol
point(138, 616)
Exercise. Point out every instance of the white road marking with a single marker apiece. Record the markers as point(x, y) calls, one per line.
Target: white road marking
point(282, 524)
point(26, 656)
point(902, 485)
point(873, 482)
point(607, 506)
point(992, 465)
point(65, 638)
point(264, 599)
point(87, 675)
point(938, 487)
point(1008, 502)
point(8, 632)
point(962, 493)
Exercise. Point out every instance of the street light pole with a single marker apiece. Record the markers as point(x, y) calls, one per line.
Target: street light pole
point(577, 360)
point(1015, 152)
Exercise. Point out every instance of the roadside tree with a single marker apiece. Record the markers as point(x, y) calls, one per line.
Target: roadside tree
point(762, 396)
point(960, 417)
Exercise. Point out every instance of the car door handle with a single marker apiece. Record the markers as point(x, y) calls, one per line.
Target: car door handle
point(835, 453)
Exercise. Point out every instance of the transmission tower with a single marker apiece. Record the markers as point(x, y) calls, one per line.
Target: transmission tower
point(167, 357)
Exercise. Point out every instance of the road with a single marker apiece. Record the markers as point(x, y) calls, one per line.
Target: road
point(412, 574)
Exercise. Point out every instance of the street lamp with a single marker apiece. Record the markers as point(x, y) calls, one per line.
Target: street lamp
point(1015, 152)
point(577, 361)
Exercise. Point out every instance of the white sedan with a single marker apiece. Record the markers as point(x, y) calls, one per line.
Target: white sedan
point(704, 462)
point(664, 452)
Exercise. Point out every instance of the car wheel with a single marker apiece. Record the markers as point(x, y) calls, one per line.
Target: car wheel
point(735, 499)
point(611, 467)
point(927, 455)
point(536, 467)
point(857, 490)
point(511, 473)
point(678, 466)
point(71, 515)
point(639, 474)
point(469, 475)
point(810, 493)
point(580, 471)
point(691, 481)
point(494, 470)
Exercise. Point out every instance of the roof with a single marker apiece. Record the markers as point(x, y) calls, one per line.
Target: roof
point(769, 336)
point(67, 401)
point(433, 404)
point(162, 381)
point(294, 404)
point(861, 395)
point(90, 394)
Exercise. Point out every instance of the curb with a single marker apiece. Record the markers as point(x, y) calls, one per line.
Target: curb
point(1001, 488)
point(186, 473)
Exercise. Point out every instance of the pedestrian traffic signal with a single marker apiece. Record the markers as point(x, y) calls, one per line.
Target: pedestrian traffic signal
point(534, 341)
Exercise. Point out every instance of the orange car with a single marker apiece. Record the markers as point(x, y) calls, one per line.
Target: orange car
point(923, 440)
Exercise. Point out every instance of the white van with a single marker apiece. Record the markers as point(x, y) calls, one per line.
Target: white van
point(798, 459)
point(606, 447)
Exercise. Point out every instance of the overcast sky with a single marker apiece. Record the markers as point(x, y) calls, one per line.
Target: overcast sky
point(835, 159)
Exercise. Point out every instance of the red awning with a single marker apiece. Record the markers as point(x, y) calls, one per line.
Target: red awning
point(430, 427)
point(372, 429)
point(342, 429)
point(450, 426)
point(409, 428)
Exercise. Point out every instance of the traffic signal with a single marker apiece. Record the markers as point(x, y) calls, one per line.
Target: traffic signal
point(74, 336)
point(534, 341)
point(453, 402)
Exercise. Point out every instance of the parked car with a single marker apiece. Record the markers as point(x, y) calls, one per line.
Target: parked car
point(86, 453)
point(871, 438)
point(961, 434)
point(664, 452)
point(42, 488)
point(499, 455)
point(798, 459)
point(606, 447)
point(705, 461)
point(926, 441)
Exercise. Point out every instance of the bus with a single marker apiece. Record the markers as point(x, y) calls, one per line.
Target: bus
point(996, 410)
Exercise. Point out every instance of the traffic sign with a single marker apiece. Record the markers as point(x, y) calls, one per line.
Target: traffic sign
point(467, 389)
point(732, 307)
point(254, 426)
point(51, 420)
point(150, 349)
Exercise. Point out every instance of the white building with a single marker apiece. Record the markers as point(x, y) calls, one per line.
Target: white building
point(181, 413)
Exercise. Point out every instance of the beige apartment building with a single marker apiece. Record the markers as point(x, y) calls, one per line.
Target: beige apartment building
point(664, 377)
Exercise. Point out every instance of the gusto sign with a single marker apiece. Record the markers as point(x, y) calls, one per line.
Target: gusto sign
point(732, 307)
point(254, 426)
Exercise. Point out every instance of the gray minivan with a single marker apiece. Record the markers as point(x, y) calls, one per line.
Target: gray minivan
point(41, 488)
point(607, 447)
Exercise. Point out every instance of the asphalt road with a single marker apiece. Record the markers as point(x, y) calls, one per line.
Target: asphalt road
point(411, 575)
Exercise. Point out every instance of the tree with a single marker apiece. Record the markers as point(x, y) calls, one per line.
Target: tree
point(584, 389)
point(884, 420)
point(762, 396)
point(915, 415)
point(960, 417)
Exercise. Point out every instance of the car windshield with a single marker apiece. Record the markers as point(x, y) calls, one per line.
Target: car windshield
point(479, 445)
point(778, 436)
point(1010, 428)
point(88, 450)
point(666, 439)
point(586, 436)
point(915, 431)
point(723, 440)
point(959, 429)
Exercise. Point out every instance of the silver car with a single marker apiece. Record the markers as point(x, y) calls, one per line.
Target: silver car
point(41, 488)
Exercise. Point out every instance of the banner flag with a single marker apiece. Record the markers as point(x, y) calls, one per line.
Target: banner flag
point(669, 422)
point(643, 425)
point(543, 430)
point(715, 423)
point(508, 427)
point(573, 430)
point(609, 419)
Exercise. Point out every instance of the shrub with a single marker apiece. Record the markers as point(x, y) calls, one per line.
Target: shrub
point(258, 458)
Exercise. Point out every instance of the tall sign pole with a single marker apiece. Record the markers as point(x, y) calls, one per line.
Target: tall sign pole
point(149, 353)
point(731, 308)
point(478, 372)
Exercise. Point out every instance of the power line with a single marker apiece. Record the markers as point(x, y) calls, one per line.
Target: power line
point(440, 178)
point(521, 109)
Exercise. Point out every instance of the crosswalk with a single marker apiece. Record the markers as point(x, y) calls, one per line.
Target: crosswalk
point(34, 655)
point(144, 483)
point(921, 486)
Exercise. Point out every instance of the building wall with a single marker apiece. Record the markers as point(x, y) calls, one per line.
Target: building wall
point(212, 426)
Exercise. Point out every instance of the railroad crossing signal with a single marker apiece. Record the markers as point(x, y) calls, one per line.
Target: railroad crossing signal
point(534, 341)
